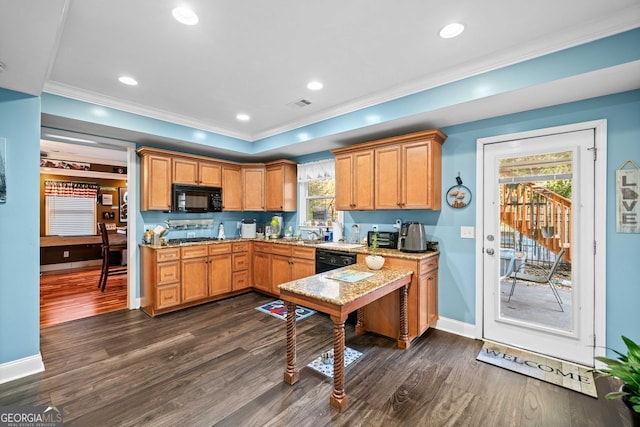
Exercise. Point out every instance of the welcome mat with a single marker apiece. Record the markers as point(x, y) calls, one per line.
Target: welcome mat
point(324, 363)
point(278, 309)
point(564, 374)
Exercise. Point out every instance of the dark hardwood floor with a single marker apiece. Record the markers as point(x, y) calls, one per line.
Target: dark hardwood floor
point(222, 364)
point(73, 294)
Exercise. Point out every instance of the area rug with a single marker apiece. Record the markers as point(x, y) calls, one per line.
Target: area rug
point(563, 374)
point(278, 309)
point(324, 362)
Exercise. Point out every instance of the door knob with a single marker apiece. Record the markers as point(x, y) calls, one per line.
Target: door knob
point(490, 251)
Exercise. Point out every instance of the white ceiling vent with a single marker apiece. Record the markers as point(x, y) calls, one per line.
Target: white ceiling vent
point(299, 103)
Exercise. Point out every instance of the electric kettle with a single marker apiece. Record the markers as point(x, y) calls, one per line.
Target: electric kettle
point(413, 238)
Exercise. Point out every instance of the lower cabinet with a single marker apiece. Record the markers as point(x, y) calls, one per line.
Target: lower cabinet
point(261, 266)
point(383, 315)
point(290, 263)
point(240, 266)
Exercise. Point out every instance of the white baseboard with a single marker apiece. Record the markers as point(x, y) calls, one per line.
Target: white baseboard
point(21, 368)
point(456, 327)
point(70, 265)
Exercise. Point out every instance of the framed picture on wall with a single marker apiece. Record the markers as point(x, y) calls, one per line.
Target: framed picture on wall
point(123, 208)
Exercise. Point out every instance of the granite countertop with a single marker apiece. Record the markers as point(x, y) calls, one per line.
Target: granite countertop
point(322, 287)
point(336, 246)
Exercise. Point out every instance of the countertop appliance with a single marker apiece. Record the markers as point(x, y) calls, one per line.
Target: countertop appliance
point(386, 239)
point(277, 225)
point(248, 229)
point(195, 199)
point(330, 260)
point(413, 238)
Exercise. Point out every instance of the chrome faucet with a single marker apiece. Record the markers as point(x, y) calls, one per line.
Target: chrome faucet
point(313, 235)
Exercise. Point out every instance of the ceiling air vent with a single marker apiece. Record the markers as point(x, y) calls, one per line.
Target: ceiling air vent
point(299, 103)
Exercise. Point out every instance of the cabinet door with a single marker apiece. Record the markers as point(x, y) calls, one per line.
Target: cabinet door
point(280, 272)
point(301, 268)
point(185, 171)
point(231, 188)
point(416, 179)
point(194, 274)
point(253, 185)
point(344, 182)
point(262, 271)
point(156, 183)
point(219, 274)
point(210, 174)
point(363, 180)
point(282, 187)
point(387, 178)
point(432, 296)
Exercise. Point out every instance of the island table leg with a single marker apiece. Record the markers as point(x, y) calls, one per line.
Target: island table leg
point(291, 376)
point(338, 399)
point(360, 329)
point(403, 339)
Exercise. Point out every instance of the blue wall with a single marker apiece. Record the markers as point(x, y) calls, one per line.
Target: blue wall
point(19, 233)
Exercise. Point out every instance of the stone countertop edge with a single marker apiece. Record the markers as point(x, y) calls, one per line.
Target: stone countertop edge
point(393, 253)
point(322, 287)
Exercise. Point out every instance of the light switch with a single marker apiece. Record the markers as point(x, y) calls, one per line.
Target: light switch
point(467, 232)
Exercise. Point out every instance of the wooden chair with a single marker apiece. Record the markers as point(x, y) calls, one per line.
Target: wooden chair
point(544, 278)
point(106, 257)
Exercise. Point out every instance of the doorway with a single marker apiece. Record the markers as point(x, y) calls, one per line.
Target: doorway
point(538, 231)
point(70, 273)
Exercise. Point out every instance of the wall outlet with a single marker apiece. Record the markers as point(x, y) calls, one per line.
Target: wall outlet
point(467, 232)
point(65, 254)
point(375, 228)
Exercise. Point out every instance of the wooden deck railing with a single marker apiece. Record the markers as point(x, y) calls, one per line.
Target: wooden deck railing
point(539, 214)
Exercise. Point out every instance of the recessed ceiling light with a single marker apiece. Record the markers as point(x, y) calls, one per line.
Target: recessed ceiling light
point(243, 117)
point(185, 16)
point(314, 85)
point(451, 30)
point(128, 80)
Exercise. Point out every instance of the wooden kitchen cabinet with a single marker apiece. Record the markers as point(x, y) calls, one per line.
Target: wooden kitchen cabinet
point(240, 266)
point(405, 173)
point(155, 181)
point(196, 172)
point(231, 188)
point(194, 270)
point(282, 186)
point(290, 263)
point(383, 315)
point(261, 266)
point(253, 183)
point(160, 280)
point(354, 180)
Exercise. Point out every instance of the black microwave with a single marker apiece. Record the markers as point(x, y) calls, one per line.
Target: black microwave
point(195, 199)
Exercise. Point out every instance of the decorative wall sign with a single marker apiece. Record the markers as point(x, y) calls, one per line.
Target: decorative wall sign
point(124, 203)
point(628, 198)
point(459, 195)
point(3, 170)
point(107, 199)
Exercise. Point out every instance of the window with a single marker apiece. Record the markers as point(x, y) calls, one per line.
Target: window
point(317, 193)
point(70, 208)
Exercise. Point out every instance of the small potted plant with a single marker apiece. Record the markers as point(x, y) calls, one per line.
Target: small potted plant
point(627, 369)
point(374, 261)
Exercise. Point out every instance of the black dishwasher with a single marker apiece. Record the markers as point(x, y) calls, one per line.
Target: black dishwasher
point(327, 260)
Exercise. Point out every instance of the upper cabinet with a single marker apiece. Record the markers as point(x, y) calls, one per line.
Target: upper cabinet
point(155, 177)
point(253, 188)
point(231, 188)
point(194, 172)
point(281, 186)
point(405, 173)
point(354, 180)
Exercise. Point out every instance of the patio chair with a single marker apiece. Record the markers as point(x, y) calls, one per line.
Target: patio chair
point(544, 277)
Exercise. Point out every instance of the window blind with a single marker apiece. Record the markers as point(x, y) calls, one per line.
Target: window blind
point(70, 216)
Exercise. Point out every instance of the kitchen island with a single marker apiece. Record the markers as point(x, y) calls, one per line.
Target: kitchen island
point(337, 298)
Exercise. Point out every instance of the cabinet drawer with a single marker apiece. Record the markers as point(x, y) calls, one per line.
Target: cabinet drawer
point(240, 262)
point(428, 264)
point(306, 253)
point(281, 250)
point(168, 272)
point(167, 296)
point(262, 247)
point(219, 249)
point(172, 254)
point(241, 247)
point(195, 251)
point(240, 280)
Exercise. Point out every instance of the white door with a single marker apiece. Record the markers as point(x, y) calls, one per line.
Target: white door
point(539, 204)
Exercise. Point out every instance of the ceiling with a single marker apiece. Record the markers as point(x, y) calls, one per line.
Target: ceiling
point(256, 57)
